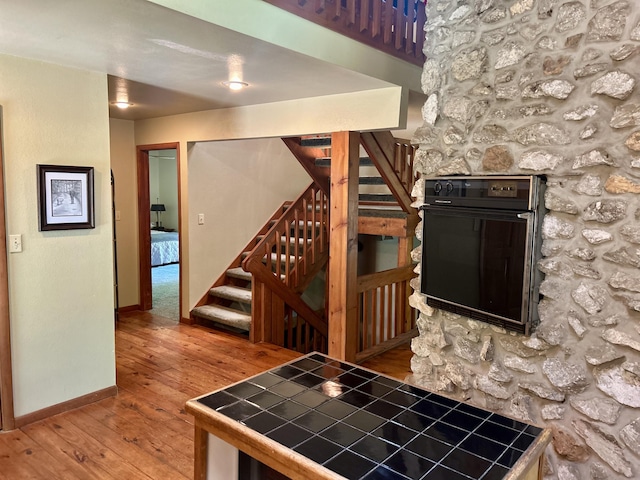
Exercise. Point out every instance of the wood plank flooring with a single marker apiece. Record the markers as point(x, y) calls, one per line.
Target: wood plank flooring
point(144, 433)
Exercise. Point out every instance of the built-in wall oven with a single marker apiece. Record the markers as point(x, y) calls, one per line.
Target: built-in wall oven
point(481, 242)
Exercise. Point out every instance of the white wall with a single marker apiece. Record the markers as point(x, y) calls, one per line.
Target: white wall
point(61, 285)
point(237, 185)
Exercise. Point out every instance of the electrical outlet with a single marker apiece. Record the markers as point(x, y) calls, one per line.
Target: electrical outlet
point(201, 219)
point(15, 243)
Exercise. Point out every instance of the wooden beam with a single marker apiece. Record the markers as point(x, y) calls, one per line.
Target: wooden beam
point(343, 250)
point(392, 226)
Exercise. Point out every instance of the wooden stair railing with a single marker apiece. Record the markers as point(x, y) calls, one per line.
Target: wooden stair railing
point(307, 156)
point(282, 264)
point(218, 310)
point(394, 160)
point(385, 318)
point(394, 29)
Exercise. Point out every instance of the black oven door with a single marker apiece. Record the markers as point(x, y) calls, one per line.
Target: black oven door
point(477, 263)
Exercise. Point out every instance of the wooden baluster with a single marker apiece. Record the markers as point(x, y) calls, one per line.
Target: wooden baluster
point(421, 16)
point(374, 316)
point(320, 6)
point(363, 317)
point(336, 11)
point(309, 241)
point(300, 347)
point(376, 18)
point(402, 153)
point(365, 9)
point(388, 289)
point(409, 43)
point(400, 25)
point(351, 12)
point(260, 328)
point(278, 256)
point(387, 34)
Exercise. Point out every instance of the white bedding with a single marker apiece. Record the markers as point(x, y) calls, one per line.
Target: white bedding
point(164, 248)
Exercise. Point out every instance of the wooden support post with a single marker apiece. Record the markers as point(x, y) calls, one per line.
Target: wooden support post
point(200, 443)
point(405, 245)
point(343, 251)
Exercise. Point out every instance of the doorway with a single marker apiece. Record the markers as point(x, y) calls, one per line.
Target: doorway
point(159, 221)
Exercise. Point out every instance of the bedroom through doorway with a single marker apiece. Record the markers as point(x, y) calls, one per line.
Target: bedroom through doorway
point(164, 233)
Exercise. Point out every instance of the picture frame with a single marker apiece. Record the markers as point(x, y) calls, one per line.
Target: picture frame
point(65, 197)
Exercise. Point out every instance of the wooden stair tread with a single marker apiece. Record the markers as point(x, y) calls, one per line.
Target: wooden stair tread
point(231, 292)
point(224, 316)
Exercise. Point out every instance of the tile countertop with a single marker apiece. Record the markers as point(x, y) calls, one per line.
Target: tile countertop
point(333, 419)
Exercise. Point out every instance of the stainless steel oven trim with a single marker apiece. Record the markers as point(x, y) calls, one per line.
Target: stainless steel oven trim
point(525, 311)
point(532, 276)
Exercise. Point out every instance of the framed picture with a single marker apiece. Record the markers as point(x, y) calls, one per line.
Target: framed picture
point(65, 197)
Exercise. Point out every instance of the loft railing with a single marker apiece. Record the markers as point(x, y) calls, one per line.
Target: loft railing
point(385, 318)
point(282, 264)
point(395, 27)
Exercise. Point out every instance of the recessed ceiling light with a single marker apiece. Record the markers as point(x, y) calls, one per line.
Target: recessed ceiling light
point(235, 84)
point(122, 105)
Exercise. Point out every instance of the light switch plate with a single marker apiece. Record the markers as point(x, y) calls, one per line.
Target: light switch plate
point(15, 243)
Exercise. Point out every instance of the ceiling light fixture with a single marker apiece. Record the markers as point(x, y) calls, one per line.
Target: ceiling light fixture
point(235, 84)
point(122, 105)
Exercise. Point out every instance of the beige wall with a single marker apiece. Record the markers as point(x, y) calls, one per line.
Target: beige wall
point(123, 164)
point(61, 285)
point(237, 185)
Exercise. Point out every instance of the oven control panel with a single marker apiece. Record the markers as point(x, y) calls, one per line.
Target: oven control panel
point(503, 188)
point(497, 192)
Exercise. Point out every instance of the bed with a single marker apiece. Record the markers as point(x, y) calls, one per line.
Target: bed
point(164, 248)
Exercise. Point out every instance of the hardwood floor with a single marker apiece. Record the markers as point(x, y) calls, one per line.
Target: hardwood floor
point(143, 433)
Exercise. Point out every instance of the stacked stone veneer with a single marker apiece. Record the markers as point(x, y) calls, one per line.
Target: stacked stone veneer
point(546, 87)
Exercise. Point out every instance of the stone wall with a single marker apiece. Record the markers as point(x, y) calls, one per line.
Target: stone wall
point(546, 87)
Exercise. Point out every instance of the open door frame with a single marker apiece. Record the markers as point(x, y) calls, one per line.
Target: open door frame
point(7, 418)
point(144, 221)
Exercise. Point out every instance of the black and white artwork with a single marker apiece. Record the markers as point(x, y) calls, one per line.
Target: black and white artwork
point(65, 197)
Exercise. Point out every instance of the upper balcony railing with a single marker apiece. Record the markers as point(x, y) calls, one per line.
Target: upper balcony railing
point(395, 27)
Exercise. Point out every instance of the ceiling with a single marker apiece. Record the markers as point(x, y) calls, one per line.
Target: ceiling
point(162, 61)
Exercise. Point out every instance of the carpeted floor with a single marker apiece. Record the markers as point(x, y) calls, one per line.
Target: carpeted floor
point(165, 283)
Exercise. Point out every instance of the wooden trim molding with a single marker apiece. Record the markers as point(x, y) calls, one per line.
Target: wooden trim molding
point(144, 220)
point(6, 379)
point(66, 406)
point(129, 308)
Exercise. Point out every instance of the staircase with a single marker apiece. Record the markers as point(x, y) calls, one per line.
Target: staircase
point(385, 181)
point(261, 292)
point(287, 253)
point(227, 304)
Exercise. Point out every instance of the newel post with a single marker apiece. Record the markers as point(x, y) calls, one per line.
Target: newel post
point(343, 246)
